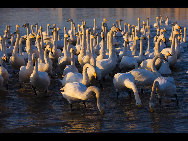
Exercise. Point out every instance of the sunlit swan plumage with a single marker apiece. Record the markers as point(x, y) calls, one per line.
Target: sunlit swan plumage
point(77, 91)
point(39, 80)
point(164, 86)
point(126, 80)
point(78, 77)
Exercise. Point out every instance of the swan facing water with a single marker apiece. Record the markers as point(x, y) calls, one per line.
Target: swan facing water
point(77, 91)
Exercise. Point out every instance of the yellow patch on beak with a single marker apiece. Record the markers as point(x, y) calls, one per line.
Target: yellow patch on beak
point(32, 36)
point(169, 54)
point(164, 39)
point(95, 74)
point(66, 36)
point(50, 49)
point(139, 105)
point(151, 110)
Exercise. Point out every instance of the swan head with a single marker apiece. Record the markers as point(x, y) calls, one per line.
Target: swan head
point(69, 20)
point(151, 106)
point(25, 25)
point(38, 36)
point(5, 58)
point(105, 20)
point(17, 26)
point(66, 35)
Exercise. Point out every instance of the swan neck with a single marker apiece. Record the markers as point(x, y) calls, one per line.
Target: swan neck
point(173, 44)
point(20, 46)
point(184, 38)
point(94, 89)
point(154, 87)
point(141, 47)
point(85, 80)
point(153, 64)
point(129, 84)
point(72, 59)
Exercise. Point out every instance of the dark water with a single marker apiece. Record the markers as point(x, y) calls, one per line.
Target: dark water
point(21, 111)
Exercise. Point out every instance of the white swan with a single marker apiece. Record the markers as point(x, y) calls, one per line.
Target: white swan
point(5, 75)
point(78, 77)
point(108, 65)
point(145, 77)
point(126, 49)
point(184, 44)
point(147, 64)
point(11, 47)
point(102, 54)
point(164, 86)
point(141, 56)
point(149, 53)
point(65, 59)
point(77, 91)
point(86, 57)
point(71, 67)
point(16, 60)
point(82, 51)
point(26, 71)
point(156, 25)
point(55, 53)
point(40, 50)
point(126, 80)
point(164, 69)
point(39, 80)
point(3, 52)
point(45, 66)
point(128, 63)
point(171, 59)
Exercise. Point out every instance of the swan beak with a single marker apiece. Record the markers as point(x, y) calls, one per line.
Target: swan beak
point(179, 27)
point(169, 54)
point(139, 105)
point(95, 75)
point(5, 58)
point(151, 110)
point(164, 40)
point(50, 49)
point(32, 36)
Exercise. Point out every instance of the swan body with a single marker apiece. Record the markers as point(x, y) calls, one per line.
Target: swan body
point(26, 71)
point(45, 66)
point(66, 59)
point(126, 80)
point(171, 59)
point(165, 69)
point(107, 65)
point(165, 86)
point(16, 60)
point(39, 80)
point(145, 77)
point(5, 75)
point(128, 63)
point(77, 91)
point(78, 77)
